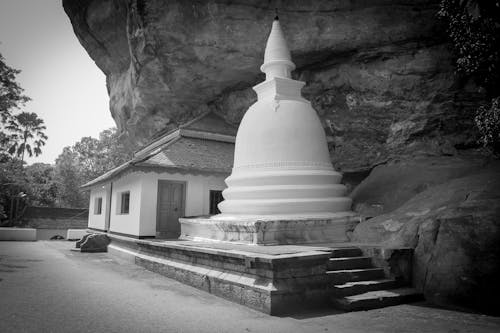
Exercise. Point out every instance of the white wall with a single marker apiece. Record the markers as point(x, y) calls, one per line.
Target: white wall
point(197, 196)
point(126, 223)
point(143, 188)
point(98, 221)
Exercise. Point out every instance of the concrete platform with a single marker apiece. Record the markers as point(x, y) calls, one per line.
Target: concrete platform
point(75, 234)
point(270, 230)
point(17, 234)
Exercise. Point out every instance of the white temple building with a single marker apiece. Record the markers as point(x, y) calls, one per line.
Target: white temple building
point(281, 189)
point(180, 173)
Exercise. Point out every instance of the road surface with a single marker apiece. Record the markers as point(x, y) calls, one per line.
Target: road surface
point(45, 287)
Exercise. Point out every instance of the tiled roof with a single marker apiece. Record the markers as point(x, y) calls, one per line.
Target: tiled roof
point(107, 175)
point(194, 154)
point(205, 144)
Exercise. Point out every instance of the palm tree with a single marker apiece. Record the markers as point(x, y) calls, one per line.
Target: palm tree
point(26, 127)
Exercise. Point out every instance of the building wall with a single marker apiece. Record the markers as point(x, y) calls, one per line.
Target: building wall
point(197, 196)
point(126, 223)
point(98, 221)
point(143, 188)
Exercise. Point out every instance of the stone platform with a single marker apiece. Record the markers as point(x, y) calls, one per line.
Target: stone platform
point(270, 230)
point(271, 279)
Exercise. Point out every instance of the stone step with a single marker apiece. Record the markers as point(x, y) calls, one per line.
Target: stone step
point(349, 263)
point(343, 252)
point(376, 299)
point(360, 287)
point(352, 275)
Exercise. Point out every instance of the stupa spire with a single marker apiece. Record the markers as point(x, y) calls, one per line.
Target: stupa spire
point(277, 58)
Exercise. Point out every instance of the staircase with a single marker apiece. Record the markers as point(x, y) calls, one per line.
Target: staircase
point(358, 285)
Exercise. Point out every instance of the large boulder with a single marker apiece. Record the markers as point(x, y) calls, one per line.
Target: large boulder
point(454, 228)
point(379, 73)
point(390, 185)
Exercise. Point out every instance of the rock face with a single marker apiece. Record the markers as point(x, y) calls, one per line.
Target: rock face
point(392, 184)
point(454, 228)
point(378, 72)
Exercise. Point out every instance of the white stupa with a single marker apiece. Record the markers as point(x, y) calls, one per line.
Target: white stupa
point(283, 188)
point(281, 163)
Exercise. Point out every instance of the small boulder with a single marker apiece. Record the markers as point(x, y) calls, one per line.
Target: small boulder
point(83, 239)
point(95, 243)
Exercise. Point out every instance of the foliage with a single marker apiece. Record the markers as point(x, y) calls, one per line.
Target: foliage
point(5, 143)
point(86, 160)
point(43, 184)
point(43, 190)
point(24, 128)
point(19, 133)
point(20, 185)
point(474, 29)
point(59, 185)
point(117, 148)
point(11, 94)
point(13, 182)
point(69, 179)
point(488, 121)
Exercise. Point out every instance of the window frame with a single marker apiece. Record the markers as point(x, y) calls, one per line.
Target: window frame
point(212, 195)
point(122, 207)
point(98, 206)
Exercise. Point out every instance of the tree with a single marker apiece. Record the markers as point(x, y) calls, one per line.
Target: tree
point(86, 160)
point(69, 180)
point(19, 133)
point(97, 156)
point(474, 30)
point(11, 94)
point(116, 148)
point(89, 156)
point(13, 185)
point(26, 127)
point(5, 143)
point(43, 189)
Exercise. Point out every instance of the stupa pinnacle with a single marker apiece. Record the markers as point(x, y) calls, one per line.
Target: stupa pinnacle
point(282, 165)
point(277, 58)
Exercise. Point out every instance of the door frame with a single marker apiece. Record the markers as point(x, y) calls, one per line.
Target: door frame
point(184, 197)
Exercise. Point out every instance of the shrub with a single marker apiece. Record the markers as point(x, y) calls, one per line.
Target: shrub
point(488, 122)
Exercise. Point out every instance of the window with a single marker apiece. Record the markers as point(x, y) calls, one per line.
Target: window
point(125, 203)
point(215, 198)
point(98, 206)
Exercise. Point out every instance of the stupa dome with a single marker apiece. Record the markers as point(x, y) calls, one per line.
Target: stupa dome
point(281, 163)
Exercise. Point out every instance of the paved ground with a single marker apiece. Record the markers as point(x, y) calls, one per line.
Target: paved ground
point(44, 287)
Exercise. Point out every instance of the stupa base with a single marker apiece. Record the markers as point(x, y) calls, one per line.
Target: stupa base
point(270, 230)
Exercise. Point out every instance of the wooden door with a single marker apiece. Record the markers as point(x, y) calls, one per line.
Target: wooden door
point(170, 206)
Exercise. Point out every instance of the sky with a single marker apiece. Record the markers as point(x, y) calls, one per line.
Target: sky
point(67, 89)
